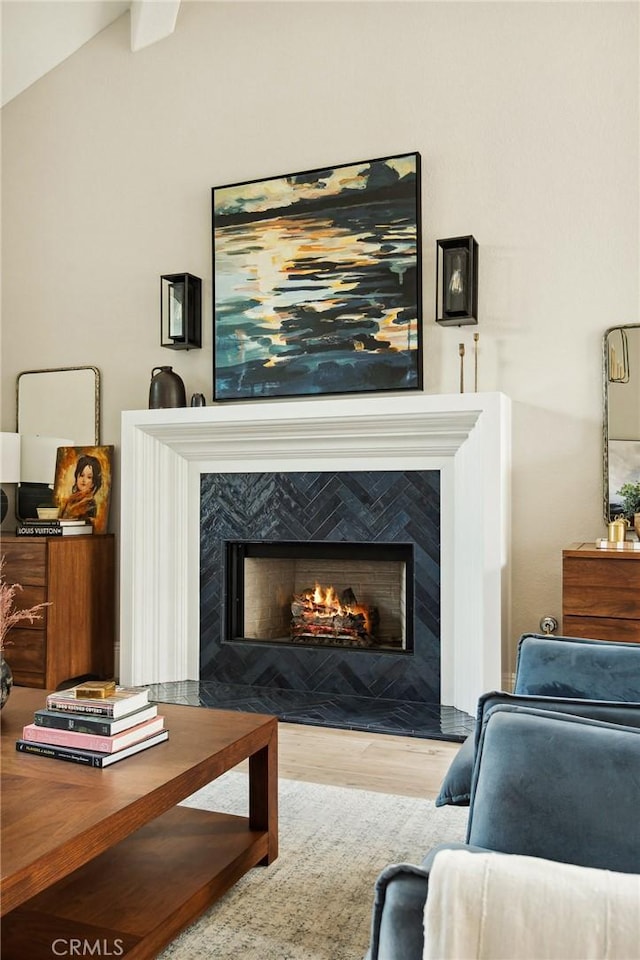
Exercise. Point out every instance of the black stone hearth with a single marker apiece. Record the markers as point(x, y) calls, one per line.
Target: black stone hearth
point(429, 721)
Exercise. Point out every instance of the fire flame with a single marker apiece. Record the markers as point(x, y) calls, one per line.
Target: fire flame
point(325, 602)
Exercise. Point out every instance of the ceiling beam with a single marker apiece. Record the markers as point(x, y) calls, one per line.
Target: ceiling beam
point(152, 20)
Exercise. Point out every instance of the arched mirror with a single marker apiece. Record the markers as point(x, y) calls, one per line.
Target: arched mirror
point(55, 407)
point(621, 376)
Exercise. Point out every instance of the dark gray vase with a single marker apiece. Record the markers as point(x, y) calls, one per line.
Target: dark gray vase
point(167, 389)
point(6, 681)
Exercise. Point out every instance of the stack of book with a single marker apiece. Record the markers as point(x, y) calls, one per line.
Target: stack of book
point(96, 724)
point(53, 528)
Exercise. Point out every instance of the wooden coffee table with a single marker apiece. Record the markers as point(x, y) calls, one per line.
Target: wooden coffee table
point(104, 856)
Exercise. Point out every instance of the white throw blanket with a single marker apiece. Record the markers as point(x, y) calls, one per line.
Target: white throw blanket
point(496, 906)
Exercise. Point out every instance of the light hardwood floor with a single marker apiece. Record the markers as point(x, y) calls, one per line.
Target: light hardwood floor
point(405, 766)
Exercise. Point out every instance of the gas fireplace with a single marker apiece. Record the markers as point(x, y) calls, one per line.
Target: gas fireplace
point(352, 595)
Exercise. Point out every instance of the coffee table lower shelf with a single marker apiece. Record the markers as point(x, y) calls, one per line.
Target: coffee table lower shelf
point(134, 898)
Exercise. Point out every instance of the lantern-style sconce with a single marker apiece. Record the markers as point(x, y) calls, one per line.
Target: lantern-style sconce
point(180, 311)
point(457, 281)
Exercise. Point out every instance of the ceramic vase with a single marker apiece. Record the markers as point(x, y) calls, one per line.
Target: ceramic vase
point(6, 681)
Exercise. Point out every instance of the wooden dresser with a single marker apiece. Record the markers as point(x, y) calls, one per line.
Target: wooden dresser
point(601, 593)
point(76, 635)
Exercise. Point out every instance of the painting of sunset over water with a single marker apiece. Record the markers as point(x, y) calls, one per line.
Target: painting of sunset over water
point(317, 284)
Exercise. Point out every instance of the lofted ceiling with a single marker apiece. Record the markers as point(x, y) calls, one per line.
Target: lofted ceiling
point(37, 35)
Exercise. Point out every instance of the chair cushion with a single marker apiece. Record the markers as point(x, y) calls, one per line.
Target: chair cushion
point(456, 786)
point(573, 667)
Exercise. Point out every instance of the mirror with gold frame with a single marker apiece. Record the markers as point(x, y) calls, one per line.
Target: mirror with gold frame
point(54, 407)
point(621, 434)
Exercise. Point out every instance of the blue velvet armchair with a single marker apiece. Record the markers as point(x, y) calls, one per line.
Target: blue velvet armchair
point(545, 781)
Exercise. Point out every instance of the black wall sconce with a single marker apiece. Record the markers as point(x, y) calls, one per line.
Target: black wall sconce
point(180, 311)
point(457, 281)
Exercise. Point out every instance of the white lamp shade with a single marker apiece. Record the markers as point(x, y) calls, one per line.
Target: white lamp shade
point(9, 457)
point(38, 457)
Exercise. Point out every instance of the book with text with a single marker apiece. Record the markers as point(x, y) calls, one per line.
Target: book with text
point(124, 701)
point(50, 530)
point(90, 741)
point(28, 522)
point(90, 758)
point(85, 723)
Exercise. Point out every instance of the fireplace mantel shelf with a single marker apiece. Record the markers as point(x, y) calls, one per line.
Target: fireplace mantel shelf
point(164, 452)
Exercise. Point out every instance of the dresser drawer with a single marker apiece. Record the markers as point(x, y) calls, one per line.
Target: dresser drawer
point(600, 588)
point(25, 563)
point(602, 628)
point(26, 655)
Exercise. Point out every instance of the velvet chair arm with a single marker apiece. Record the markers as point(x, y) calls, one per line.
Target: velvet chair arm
point(456, 786)
point(400, 895)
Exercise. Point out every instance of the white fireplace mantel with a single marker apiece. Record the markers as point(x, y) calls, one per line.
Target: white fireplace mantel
point(164, 453)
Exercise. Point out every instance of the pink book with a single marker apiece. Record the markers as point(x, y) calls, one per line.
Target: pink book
point(90, 741)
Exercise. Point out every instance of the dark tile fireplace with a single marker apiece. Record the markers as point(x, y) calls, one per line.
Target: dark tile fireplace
point(270, 539)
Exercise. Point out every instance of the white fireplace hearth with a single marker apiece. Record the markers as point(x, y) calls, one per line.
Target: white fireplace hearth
point(164, 453)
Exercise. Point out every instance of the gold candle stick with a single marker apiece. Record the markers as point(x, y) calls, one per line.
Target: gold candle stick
point(461, 352)
point(476, 337)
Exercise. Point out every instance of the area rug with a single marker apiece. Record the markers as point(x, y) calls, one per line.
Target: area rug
point(314, 902)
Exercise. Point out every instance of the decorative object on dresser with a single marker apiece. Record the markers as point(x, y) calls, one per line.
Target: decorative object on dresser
point(9, 466)
point(55, 408)
point(621, 419)
point(82, 489)
point(630, 494)
point(601, 592)
point(317, 281)
point(180, 311)
point(457, 281)
point(75, 637)
point(53, 528)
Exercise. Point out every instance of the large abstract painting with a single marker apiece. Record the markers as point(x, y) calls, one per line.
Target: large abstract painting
point(317, 282)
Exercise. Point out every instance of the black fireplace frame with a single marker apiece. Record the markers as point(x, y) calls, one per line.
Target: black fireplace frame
point(236, 551)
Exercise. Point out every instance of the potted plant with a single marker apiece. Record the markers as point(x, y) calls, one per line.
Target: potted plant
point(10, 615)
point(630, 493)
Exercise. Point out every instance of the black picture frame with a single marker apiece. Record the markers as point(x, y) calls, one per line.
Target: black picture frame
point(457, 281)
point(317, 281)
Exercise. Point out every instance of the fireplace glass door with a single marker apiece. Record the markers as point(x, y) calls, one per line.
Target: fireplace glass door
point(350, 595)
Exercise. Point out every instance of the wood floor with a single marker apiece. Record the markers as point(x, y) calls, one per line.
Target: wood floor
point(387, 764)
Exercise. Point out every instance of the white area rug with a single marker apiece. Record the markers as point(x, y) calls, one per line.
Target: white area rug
point(314, 902)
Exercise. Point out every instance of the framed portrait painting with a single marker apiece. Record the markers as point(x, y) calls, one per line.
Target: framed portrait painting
point(317, 282)
point(82, 487)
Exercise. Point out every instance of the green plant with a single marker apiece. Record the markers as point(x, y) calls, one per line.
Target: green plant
point(630, 493)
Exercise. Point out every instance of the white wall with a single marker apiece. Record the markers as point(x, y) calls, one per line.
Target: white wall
point(526, 116)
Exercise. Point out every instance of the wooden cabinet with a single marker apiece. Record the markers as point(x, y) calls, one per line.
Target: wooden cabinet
point(601, 593)
point(76, 635)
